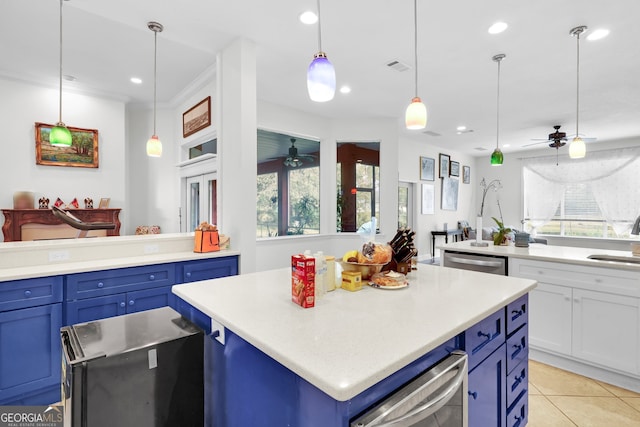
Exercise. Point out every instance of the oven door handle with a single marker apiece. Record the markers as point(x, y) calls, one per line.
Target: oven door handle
point(423, 411)
point(477, 262)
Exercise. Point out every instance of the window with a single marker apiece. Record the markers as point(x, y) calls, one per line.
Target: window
point(288, 185)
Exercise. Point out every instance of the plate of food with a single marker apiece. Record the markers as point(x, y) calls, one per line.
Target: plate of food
point(388, 280)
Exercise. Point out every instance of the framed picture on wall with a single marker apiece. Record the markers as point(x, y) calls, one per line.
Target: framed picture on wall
point(428, 199)
point(466, 174)
point(454, 169)
point(427, 168)
point(82, 153)
point(444, 165)
point(449, 194)
point(197, 117)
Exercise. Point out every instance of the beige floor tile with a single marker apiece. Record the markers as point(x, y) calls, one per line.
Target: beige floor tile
point(620, 392)
point(542, 413)
point(590, 411)
point(552, 381)
point(633, 401)
point(533, 390)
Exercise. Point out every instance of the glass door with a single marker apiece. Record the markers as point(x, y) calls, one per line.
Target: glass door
point(201, 194)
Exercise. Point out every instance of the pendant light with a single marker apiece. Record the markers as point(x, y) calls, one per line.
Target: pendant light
point(497, 158)
point(321, 76)
point(577, 149)
point(154, 145)
point(60, 135)
point(416, 115)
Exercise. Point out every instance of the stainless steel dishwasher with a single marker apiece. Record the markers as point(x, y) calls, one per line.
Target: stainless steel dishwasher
point(484, 263)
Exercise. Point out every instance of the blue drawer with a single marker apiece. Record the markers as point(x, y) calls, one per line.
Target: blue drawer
point(518, 416)
point(30, 292)
point(109, 282)
point(484, 338)
point(517, 383)
point(212, 268)
point(517, 348)
point(517, 313)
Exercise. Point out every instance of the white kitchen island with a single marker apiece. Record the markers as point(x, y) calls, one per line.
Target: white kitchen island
point(343, 354)
point(585, 313)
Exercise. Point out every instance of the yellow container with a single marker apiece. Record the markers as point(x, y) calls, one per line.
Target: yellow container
point(351, 280)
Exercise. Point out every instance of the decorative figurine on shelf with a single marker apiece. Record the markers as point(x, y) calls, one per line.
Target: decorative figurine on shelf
point(43, 203)
point(74, 204)
point(58, 202)
point(88, 203)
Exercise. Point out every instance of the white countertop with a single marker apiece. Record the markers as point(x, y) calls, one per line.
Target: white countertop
point(550, 253)
point(352, 340)
point(25, 260)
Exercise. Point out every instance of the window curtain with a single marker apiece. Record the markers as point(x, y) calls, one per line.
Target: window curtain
point(612, 175)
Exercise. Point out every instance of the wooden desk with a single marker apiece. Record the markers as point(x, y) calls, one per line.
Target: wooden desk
point(14, 219)
point(446, 233)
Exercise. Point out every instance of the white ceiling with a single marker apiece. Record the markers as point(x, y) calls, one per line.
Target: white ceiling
point(107, 41)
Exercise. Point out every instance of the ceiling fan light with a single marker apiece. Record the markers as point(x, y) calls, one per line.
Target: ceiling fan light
point(321, 79)
point(497, 158)
point(577, 149)
point(416, 115)
point(60, 136)
point(154, 147)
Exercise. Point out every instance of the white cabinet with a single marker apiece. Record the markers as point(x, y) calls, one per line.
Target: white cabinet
point(587, 314)
point(606, 329)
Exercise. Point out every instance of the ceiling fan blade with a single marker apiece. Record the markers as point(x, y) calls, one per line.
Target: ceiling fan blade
point(536, 143)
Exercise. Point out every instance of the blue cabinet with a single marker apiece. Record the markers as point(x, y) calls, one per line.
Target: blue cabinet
point(30, 321)
point(487, 397)
point(212, 268)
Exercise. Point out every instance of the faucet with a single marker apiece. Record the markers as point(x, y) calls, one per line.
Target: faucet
point(636, 227)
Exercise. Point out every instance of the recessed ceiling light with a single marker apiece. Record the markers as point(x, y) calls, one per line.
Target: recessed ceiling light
point(598, 34)
point(308, 17)
point(136, 80)
point(461, 128)
point(345, 89)
point(497, 28)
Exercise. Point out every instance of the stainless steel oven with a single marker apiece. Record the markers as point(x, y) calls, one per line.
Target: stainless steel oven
point(436, 398)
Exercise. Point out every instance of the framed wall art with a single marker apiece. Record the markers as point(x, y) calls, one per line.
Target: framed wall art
point(449, 194)
point(197, 117)
point(444, 165)
point(83, 151)
point(428, 199)
point(466, 174)
point(454, 168)
point(427, 168)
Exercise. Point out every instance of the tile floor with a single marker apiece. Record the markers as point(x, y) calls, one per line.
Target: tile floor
point(559, 398)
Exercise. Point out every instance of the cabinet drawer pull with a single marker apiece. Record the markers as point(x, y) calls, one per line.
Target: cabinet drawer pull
point(482, 334)
point(123, 304)
point(100, 284)
point(473, 394)
point(27, 293)
point(131, 302)
point(518, 421)
point(152, 277)
point(516, 313)
point(518, 380)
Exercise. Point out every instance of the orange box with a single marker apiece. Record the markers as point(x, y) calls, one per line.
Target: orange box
point(206, 241)
point(303, 274)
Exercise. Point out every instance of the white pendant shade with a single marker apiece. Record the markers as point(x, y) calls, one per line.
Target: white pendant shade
point(321, 79)
point(577, 149)
point(154, 147)
point(416, 114)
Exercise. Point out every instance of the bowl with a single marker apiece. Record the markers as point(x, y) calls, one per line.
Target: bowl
point(366, 270)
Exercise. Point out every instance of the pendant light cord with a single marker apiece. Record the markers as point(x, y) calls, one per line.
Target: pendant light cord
point(415, 42)
point(577, 82)
point(498, 107)
point(155, 67)
point(60, 73)
point(319, 29)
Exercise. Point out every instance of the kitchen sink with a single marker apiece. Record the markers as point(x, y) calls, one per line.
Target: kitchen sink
point(616, 258)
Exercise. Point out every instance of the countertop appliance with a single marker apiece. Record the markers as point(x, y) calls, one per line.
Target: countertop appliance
point(476, 262)
point(436, 398)
point(136, 370)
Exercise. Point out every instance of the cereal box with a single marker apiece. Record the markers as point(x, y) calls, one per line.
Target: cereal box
point(303, 272)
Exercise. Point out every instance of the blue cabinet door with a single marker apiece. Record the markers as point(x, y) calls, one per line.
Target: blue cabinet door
point(487, 391)
point(149, 299)
point(86, 310)
point(30, 354)
point(212, 268)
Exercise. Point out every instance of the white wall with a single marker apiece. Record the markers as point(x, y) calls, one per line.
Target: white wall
point(21, 105)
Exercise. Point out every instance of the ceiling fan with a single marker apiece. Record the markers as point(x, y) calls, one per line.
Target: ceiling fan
point(294, 159)
point(556, 139)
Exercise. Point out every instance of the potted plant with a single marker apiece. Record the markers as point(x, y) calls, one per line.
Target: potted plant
point(500, 237)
